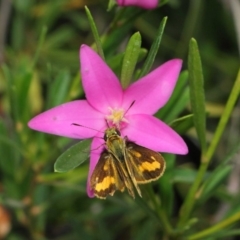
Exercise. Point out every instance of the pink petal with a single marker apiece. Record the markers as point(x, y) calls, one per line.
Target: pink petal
point(153, 90)
point(59, 120)
point(154, 134)
point(148, 4)
point(97, 147)
point(102, 88)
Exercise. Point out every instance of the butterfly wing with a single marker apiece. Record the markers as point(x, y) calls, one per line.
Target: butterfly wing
point(108, 176)
point(144, 164)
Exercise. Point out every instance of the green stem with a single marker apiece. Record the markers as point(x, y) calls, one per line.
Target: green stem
point(114, 23)
point(225, 116)
point(216, 228)
point(121, 19)
point(193, 193)
point(191, 19)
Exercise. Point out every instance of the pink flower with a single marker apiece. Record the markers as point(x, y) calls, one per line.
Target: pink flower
point(148, 4)
point(107, 104)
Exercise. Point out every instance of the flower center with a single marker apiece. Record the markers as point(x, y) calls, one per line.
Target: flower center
point(116, 116)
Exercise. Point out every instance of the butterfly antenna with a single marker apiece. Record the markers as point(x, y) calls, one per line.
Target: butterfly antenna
point(79, 125)
point(129, 107)
point(107, 123)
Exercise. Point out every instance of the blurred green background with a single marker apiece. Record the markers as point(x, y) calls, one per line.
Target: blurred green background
point(39, 45)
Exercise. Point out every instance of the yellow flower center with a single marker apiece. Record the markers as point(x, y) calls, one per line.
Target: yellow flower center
point(116, 116)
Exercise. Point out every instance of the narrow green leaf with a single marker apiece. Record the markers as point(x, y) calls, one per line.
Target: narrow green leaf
point(154, 49)
point(213, 182)
point(199, 118)
point(177, 101)
point(73, 157)
point(219, 174)
point(206, 158)
point(95, 32)
point(130, 59)
point(216, 227)
point(22, 86)
point(184, 175)
point(179, 106)
point(181, 125)
point(39, 47)
point(232, 152)
point(117, 36)
point(197, 92)
point(60, 85)
point(115, 62)
point(225, 234)
point(225, 117)
point(111, 4)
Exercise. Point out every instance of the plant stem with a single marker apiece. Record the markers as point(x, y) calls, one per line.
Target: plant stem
point(217, 227)
point(193, 193)
point(161, 213)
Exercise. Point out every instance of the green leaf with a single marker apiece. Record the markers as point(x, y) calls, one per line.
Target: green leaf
point(154, 49)
point(60, 85)
point(224, 118)
point(73, 157)
point(181, 125)
point(184, 175)
point(22, 89)
point(219, 174)
point(112, 41)
point(231, 153)
point(40, 45)
point(197, 92)
point(214, 181)
point(130, 59)
point(178, 100)
point(111, 4)
point(216, 228)
point(225, 234)
point(115, 62)
point(95, 32)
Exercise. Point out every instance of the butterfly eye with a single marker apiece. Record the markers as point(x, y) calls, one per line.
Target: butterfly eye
point(105, 137)
point(118, 132)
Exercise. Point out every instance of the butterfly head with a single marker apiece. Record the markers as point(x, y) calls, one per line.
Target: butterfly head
point(111, 133)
